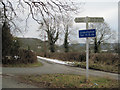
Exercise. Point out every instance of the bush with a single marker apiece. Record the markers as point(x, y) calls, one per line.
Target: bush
point(70, 56)
point(105, 58)
point(27, 56)
point(98, 58)
point(24, 57)
point(98, 61)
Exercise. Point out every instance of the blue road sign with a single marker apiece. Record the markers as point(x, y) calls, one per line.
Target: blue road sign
point(87, 33)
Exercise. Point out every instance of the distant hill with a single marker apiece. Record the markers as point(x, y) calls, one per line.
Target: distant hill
point(38, 45)
point(33, 43)
point(81, 47)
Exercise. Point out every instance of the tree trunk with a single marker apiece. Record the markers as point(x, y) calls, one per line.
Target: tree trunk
point(52, 47)
point(95, 46)
point(66, 40)
point(52, 40)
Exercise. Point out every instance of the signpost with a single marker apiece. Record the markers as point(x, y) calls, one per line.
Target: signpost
point(88, 33)
point(89, 19)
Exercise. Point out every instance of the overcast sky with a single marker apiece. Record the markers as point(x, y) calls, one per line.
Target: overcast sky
point(108, 9)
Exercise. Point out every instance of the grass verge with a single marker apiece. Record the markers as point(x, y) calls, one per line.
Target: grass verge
point(108, 62)
point(36, 64)
point(68, 81)
point(97, 66)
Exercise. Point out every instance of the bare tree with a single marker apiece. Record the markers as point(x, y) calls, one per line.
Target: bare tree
point(52, 27)
point(39, 10)
point(116, 47)
point(103, 34)
point(35, 8)
point(67, 25)
point(7, 14)
point(66, 40)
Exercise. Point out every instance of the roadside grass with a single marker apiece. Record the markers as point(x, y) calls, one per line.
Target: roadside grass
point(36, 64)
point(98, 66)
point(68, 81)
point(108, 62)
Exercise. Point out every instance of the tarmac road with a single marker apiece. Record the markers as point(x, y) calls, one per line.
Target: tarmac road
point(50, 68)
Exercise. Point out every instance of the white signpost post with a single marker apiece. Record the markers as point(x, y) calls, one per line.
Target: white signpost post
point(88, 20)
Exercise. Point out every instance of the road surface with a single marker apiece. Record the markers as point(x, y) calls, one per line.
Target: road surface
point(51, 68)
point(9, 81)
